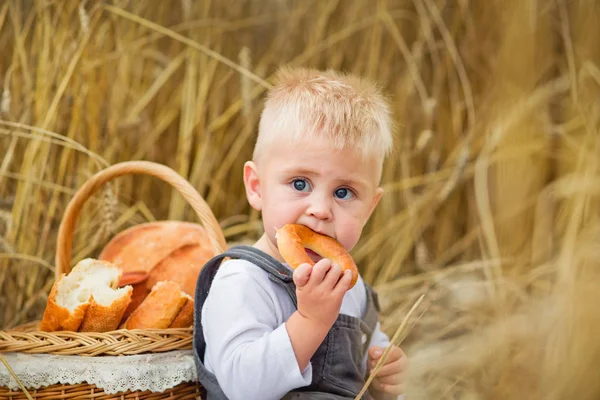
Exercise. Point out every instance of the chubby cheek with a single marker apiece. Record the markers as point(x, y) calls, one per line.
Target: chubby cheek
point(348, 234)
point(276, 215)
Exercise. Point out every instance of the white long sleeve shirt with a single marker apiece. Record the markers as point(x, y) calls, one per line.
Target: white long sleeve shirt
point(247, 344)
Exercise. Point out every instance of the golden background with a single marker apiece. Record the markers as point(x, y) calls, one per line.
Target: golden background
point(491, 205)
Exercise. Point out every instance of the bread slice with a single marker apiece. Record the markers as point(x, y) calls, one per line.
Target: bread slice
point(87, 299)
point(159, 309)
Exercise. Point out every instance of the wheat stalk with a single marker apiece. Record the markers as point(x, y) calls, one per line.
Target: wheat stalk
point(396, 340)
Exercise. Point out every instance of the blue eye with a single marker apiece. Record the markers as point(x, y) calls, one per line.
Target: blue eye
point(300, 185)
point(344, 194)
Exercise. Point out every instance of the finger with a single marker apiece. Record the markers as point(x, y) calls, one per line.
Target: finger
point(375, 353)
point(394, 354)
point(301, 275)
point(343, 284)
point(395, 367)
point(332, 277)
point(318, 271)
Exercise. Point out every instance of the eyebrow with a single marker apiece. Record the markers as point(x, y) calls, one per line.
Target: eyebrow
point(299, 171)
point(350, 182)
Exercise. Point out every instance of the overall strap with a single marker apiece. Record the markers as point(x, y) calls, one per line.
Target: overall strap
point(373, 307)
point(277, 272)
point(260, 258)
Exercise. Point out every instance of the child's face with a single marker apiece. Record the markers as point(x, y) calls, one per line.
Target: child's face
point(333, 193)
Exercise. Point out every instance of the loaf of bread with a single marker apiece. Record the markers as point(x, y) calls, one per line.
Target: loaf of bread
point(165, 304)
point(159, 251)
point(142, 247)
point(182, 267)
point(87, 299)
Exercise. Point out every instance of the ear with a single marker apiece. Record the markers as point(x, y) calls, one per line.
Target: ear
point(376, 198)
point(252, 184)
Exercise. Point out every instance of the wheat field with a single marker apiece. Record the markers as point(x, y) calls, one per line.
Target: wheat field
point(491, 208)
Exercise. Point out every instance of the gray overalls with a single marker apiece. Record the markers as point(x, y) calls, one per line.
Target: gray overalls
point(336, 365)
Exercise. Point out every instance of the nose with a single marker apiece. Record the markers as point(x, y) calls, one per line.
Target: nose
point(320, 207)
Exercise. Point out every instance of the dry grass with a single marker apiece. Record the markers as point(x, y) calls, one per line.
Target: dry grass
point(491, 204)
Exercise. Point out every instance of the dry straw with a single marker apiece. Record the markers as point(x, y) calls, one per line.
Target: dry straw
point(396, 340)
point(491, 194)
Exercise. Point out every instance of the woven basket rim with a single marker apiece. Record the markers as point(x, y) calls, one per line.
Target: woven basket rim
point(27, 339)
point(183, 391)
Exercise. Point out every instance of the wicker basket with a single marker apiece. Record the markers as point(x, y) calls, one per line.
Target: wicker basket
point(28, 339)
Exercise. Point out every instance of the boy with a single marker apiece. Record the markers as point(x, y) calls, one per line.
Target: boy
point(263, 331)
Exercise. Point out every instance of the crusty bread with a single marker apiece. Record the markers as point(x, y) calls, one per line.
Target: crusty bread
point(59, 316)
point(159, 309)
point(182, 267)
point(87, 299)
point(142, 246)
point(185, 318)
point(159, 251)
point(106, 309)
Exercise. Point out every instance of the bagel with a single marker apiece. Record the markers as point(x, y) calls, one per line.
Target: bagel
point(292, 239)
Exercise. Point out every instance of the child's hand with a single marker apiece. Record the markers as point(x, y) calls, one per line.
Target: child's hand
point(320, 290)
point(391, 376)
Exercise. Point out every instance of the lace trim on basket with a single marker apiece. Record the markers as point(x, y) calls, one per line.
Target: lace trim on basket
point(155, 372)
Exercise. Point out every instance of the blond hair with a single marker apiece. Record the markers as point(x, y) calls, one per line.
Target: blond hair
point(346, 110)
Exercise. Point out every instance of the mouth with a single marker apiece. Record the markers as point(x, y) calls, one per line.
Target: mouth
point(321, 233)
